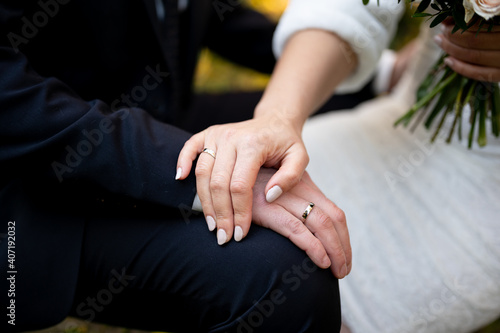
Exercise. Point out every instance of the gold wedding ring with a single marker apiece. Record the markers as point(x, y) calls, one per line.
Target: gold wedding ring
point(209, 152)
point(308, 210)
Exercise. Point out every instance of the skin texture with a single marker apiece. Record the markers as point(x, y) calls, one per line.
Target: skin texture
point(323, 235)
point(472, 54)
point(313, 63)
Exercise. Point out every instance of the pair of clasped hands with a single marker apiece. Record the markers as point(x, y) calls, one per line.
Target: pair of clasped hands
point(258, 172)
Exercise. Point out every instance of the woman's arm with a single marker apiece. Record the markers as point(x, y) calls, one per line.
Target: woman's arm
point(313, 64)
point(315, 59)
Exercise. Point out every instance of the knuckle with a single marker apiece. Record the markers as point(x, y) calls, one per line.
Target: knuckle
point(338, 252)
point(222, 219)
point(296, 227)
point(339, 216)
point(219, 182)
point(315, 245)
point(202, 169)
point(212, 129)
point(254, 141)
point(324, 221)
point(305, 157)
point(240, 186)
point(229, 133)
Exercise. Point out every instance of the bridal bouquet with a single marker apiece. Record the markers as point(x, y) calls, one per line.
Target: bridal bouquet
point(445, 92)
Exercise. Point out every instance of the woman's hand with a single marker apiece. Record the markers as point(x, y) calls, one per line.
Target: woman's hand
point(323, 234)
point(272, 138)
point(473, 54)
point(225, 183)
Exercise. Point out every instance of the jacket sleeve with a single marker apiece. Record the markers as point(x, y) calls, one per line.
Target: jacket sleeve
point(46, 129)
point(241, 35)
point(368, 29)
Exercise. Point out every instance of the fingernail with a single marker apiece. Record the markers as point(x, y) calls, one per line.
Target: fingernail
point(448, 62)
point(210, 223)
point(274, 193)
point(221, 237)
point(438, 39)
point(343, 272)
point(238, 234)
point(178, 174)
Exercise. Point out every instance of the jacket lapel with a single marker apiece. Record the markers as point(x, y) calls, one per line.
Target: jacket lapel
point(167, 33)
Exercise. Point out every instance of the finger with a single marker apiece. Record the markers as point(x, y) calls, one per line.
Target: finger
point(480, 73)
point(473, 40)
point(220, 192)
point(283, 222)
point(242, 181)
point(472, 56)
point(335, 213)
point(289, 174)
point(322, 227)
point(203, 171)
point(192, 148)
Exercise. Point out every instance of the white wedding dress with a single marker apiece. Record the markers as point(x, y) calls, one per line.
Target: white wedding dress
point(424, 218)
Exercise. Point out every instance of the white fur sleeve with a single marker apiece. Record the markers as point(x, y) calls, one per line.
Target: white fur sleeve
point(368, 29)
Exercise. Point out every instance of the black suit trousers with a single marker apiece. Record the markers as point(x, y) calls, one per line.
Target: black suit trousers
point(152, 272)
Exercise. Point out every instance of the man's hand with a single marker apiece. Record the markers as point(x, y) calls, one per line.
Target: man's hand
point(323, 235)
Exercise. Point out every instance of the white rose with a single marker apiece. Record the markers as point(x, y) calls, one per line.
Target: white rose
point(484, 8)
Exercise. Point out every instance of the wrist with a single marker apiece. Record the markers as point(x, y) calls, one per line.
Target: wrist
point(291, 117)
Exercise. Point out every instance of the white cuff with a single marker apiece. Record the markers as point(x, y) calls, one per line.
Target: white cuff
point(197, 204)
point(385, 68)
point(368, 30)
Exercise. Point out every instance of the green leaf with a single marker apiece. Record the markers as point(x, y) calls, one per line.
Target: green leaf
point(423, 6)
point(459, 17)
point(435, 7)
point(481, 138)
point(470, 88)
point(495, 109)
point(443, 83)
point(474, 113)
point(365, 2)
point(447, 98)
point(421, 15)
point(458, 109)
point(439, 19)
point(441, 122)
point(490, 28)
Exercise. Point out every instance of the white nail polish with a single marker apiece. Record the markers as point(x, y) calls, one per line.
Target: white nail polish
point(274, 193)
point(221, 237)
point(178, 174)
point(210, 223)
point(238, 234)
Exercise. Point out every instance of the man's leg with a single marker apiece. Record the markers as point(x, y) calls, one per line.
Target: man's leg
point(170, 275)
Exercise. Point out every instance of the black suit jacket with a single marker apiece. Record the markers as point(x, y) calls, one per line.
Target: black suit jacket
point(90, 93)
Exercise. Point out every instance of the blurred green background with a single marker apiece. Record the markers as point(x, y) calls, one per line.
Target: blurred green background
point(216, 75)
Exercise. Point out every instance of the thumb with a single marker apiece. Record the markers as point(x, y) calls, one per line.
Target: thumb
point(288, 175)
